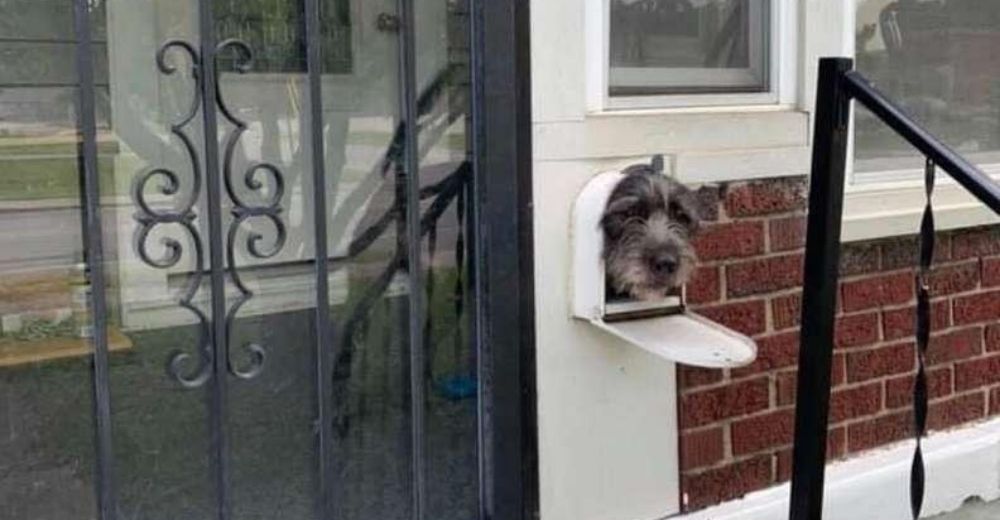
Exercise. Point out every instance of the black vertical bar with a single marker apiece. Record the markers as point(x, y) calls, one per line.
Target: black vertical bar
point(826, 200)
point(314, 63)
point(922, 325)
point(503, 269)
point(217, 388)
point(408, 94)
point(94, 255)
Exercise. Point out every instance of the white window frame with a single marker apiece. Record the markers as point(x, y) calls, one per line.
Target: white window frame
point(781, 67)
point(692, 78)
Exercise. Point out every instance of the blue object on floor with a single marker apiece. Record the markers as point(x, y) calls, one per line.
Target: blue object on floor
point(457, 387)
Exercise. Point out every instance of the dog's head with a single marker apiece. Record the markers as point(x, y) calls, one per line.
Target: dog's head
point(648, 224)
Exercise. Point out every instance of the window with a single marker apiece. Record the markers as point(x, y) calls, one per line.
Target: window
point(275, 30)
point(659, 47)
point(938, 60)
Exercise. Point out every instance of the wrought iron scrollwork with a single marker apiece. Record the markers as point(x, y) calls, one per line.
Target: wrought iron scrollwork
point(150, 218)
point(258, 177)
point(261, 178)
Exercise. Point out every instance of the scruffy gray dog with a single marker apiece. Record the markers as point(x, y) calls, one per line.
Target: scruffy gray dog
point(648, 224)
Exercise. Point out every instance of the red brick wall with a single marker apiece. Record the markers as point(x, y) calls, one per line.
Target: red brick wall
point(736, 425)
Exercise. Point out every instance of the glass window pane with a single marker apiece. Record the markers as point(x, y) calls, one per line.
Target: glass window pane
point(688, 46)
point(47, 455)
point(938, 61)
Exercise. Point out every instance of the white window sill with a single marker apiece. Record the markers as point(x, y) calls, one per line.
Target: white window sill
point(894, 209)
point(705, 144)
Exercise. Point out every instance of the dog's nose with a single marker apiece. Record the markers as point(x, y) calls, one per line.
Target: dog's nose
point(664, 264)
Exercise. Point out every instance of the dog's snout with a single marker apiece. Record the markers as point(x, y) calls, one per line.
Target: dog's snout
point(664, 264)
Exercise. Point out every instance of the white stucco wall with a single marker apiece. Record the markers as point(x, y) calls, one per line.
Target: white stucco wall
point(606, 411)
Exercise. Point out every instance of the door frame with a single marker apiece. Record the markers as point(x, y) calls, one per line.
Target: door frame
point(503, 258)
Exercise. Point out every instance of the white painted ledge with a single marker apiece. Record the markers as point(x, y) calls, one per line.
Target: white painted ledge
point(960, 464)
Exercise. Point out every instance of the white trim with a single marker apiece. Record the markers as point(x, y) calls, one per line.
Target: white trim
point(894, 208)
point(683, 77)
point(645, 133)
point(960, 464)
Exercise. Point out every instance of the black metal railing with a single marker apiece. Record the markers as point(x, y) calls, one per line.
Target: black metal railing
point(838, 84)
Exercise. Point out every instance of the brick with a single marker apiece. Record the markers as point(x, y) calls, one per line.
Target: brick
point(701, 448)
point(955, 345)
point(991, 272)
point(730, 240)
point(956, 411)
point(858, 401)
point(732, 400)
point(785, 383)
point(744, 317)
point(867, 293)
point(992, 338)
point(786, 311)
point(901, 323)
point(899, 390)
point(976, 307)
point(766, 197)
point(704, 286)
point(880, 362)
point(773, 352)
point(785, 387)
point(708, 201)
point(787, 233)
point(836, 447)
point(860, 258)
point(900, 252)
point(783, 466)
point(764, 275)
point(903, 252)
point(836, 443)
point(763, 432)
point(692, 377)
point(856, 330)
point(838, 370)
point(977, 372)
point(995, 401)
point(983, 241)
point(879, 431)
point(956, 278)
point(726, 483)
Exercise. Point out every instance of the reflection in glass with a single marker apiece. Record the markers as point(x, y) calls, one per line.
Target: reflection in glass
point(46, 425)
point(688, 46)
point(155, 207)
point(939, 61)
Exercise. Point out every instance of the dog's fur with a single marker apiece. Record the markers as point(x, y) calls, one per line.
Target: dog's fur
point(648, 224)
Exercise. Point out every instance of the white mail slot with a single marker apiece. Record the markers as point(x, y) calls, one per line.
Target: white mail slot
point(664, 327)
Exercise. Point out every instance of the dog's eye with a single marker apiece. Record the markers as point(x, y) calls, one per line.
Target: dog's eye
point(678, 215)
point(635, 211)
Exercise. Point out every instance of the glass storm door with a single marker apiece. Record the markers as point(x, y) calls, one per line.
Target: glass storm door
point(238, 263)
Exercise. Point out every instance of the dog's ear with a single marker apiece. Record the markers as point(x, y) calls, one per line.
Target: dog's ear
point(684, 207)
